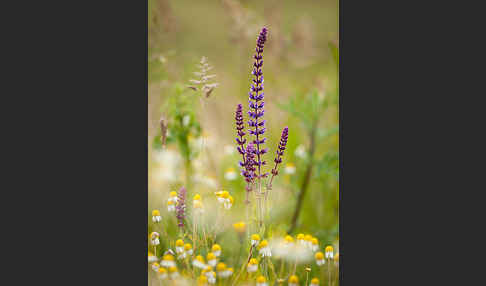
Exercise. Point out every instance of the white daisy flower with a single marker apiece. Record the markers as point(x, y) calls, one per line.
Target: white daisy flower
point(188, 249)
point(314, 244)
point(293, 281)
point(179, 246)
point(152, 257)
point(320, 258)
point(211, 259)
point(199, 262)
point(290, 168)
point(162, 273)
point(172, 197)
point(300, 152)
point(154, 238)
point(216, 249)
point(261, 281)
point(168, 261)
point(264, 249)
point(255, 239)
point(301, 239)
point(155, 266)
point(174, 274)
point(252, 265)
point(171, 206)
point(156, 216)
point(230, 174)
point(329, 252)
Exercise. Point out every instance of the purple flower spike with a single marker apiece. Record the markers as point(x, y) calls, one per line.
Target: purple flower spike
point(280, 152)
point(181, 207)
point(256, 96)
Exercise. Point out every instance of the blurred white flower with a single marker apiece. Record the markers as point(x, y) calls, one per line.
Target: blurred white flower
point(300, 152)
point(230, 174)
point(186, 120)
point(290, 168)
point(228, 149)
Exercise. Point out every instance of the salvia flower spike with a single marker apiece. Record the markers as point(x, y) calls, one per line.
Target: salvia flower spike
point(280, 152)
point(256, 102)
point(240, 140)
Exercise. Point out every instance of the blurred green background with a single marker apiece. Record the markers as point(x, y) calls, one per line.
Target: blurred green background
point(301, 88)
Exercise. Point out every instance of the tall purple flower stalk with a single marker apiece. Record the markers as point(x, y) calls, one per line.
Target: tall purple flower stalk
point(256, 103)
point(181, 207)
point(280, 152)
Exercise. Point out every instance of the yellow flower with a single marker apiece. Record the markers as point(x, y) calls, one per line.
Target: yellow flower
point(252, 265)
point(221, 267)
point(197, 197)
point(300, 238)
point(239, 227)
point(225, 194)
point(156, 216)
point(314, 244)
point(255, 239)
point(202, 280)
point(162, 273)
point(211, 259)
point(179, 246)
point(170, 206)
point(289, 239)
point(293, 280)
point(216, 249)
point(151, 257)
point(188, 248)
point(329, 252)
point(199, 262)
point(314, 282)
point(290, 168)
point(261, 281)
point(320, 258)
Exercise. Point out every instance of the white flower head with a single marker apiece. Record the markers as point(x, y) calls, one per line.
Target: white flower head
point(168, 261)
point(290, 169)
point(199, 262)
point(186, 120)
point(152, 258)
point(154, 238)
point(300, 152)
point(230, 174)
point(329, 252)
point(155, 266)
point(319, 256)
point(264, 249)
point(252, 265)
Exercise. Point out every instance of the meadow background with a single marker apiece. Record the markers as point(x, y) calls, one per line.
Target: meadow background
point(301, 92)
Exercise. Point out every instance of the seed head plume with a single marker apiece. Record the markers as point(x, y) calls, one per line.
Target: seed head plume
point(203, 82)
point(181, 207)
